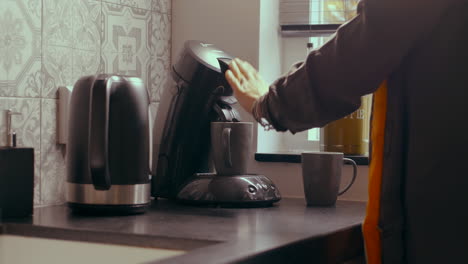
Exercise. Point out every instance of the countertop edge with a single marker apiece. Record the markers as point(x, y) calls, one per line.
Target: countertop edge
point(249, 244)
point(293, 251)
point(104, 237)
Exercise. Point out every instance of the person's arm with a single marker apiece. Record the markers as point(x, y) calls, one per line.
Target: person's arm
point(331, 81)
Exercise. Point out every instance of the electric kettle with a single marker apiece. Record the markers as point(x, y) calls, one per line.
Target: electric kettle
point(108, 145)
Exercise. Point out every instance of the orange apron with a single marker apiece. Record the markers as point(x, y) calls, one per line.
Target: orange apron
point(370, 228)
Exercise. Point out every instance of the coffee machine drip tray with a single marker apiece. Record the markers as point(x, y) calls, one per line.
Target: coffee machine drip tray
point(250, 190)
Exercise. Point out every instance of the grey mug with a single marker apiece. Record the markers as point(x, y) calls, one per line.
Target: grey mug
point(321, 173)
point(231, 143)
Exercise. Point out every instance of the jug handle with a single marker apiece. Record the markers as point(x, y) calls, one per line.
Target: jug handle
point(98, 136)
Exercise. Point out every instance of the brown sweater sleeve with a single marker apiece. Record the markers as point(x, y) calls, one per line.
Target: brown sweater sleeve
point(328, 85)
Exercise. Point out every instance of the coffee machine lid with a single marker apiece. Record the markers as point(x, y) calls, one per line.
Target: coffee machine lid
point(198, 54)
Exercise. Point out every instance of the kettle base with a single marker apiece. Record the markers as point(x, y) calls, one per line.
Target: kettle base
point(107, 210)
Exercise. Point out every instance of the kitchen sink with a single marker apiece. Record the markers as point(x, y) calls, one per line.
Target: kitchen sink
point(19, 249)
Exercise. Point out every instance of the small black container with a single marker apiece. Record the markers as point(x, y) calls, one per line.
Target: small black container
point(16, 182)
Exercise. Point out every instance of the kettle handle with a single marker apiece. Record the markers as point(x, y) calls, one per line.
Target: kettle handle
point(98, 136)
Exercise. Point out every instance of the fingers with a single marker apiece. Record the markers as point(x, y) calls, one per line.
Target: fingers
point(233, 81)
point(234, 67)
point(247, 70)
point(236, 75)
point(243, 69)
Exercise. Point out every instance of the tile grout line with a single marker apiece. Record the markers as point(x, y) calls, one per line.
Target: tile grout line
point(42, 47)
point(26, 97)
point(73, 43)
point(168, 12)
point(101, 38)
point(40, 153)
point(40, 106)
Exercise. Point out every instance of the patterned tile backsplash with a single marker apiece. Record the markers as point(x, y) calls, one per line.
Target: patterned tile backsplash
point(20, 48)
point(45, 44)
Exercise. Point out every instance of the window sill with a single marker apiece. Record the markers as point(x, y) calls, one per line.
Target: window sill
point(309, 30)
point(292, 157)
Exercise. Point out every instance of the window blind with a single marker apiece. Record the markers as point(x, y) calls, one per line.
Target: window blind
point(315, 17)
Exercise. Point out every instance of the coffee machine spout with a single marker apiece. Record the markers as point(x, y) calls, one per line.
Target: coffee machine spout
point(226, 112)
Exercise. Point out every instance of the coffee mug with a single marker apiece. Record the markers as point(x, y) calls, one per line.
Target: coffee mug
point(321, 173)
point(231, 143)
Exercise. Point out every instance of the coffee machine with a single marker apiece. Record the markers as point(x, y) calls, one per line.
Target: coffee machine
point(182, 164)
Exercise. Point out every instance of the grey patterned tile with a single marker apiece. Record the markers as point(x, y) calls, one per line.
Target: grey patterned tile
point(160, 54)
point(85, 63)
point(3, 70)
point(49, 126)
point(162, 6)
point(154, 110)
point(37, 177)
point(57, 69)
point(29, 83)
point(3, 82)
point(27, 127)
point(53, 178)
point(125, 48)
point(52, 157)
point(160, 35)
point(116, 2)
point(57, 46)
point(4, 38)
point(143, 4)
point(87, 25)
point(58, 23)
point(70, 29)
point(160, 77)
point(20, 53)
point(154, 106)
point(33, 8)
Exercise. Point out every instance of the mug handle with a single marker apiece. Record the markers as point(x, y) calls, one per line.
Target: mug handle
point(227, 147)
point(346, 160)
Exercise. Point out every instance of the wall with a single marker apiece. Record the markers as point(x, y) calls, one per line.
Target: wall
point(270, 61)
point(45, 44)
point(232, 25)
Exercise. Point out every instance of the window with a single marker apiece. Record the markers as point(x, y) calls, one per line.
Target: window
point(303, 22)
point(316, 12)
point(312, 43)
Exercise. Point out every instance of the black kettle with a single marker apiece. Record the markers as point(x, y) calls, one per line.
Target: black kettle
point(108, 146)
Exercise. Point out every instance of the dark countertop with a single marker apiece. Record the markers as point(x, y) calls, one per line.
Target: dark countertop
point(214, 235)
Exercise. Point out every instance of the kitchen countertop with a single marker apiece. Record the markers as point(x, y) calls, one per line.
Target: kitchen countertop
point(288, 231)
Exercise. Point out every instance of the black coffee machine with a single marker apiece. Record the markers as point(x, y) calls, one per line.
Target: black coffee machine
point(182, 166)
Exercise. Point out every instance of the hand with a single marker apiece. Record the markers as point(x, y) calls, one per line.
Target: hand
point(246, 83)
